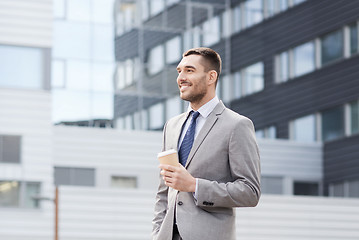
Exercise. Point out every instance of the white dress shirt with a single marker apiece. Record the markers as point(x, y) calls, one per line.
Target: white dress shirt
point(204, 112)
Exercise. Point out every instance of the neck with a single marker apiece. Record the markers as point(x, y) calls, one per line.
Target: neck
point(197, 105)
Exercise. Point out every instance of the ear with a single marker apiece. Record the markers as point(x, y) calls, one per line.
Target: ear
point(212, 77)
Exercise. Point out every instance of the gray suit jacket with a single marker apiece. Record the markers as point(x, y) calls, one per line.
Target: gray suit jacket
point(225, 159)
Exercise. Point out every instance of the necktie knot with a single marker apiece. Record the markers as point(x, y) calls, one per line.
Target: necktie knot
point(195, 115)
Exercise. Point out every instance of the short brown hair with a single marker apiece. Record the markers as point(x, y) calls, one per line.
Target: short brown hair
point(211, 56)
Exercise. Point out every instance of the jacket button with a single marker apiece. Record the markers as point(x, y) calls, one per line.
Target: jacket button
point(180, 203)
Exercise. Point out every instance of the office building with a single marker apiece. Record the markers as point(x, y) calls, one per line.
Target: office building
point(288, 65)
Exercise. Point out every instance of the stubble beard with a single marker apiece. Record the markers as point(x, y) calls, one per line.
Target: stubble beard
point(196, 97)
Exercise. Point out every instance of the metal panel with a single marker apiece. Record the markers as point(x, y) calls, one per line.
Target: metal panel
point(26, 23)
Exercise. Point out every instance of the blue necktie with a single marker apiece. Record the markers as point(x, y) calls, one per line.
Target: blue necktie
point(187, 142)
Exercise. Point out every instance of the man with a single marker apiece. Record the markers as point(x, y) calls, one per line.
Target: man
point(219, 158)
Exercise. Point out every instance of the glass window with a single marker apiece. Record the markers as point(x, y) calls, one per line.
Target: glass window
point(353, 188)
point(173, 107)
point(156, 113)
point(271, 132)
point(129, 72)
point(283, 67)
point(74, 176)
point(272, 185)
point(295, 2)
point(102, 40)
point(353, 38)
point(226, 88)
point(145, 10)
point(237, 85)
point(304, 60)
point(29, 60)
point(304, 129)
point(260, 133)
point(78, 75)
point(173, 50)
point(31, 190)
point(226, 24)
point(58, 74)
point(129, 122)
point(354, 117)
point(78, 10)
point(120, 74)
point(332, 47)
point(283, 5)
point(10, 149)
point(333, 123)
point(337, 189)
point(9, 193)
point(76, 47)
point(156, 6)
point(101, 105)
point(70, 105)
point(102, 77)
point(196, 37)
point(211, 31)
point(156, 60)
point(253, 78)
point(123, 182)
point(102, 11)
point(270, 6)
point(236, 18)
point(306, 188)
point(253, 12)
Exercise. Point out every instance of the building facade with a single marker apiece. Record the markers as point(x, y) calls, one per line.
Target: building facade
point(288, 65)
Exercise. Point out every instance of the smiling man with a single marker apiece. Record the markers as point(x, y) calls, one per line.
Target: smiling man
point(219, 160)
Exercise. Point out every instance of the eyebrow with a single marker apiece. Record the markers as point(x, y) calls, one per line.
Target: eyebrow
point(188, 66)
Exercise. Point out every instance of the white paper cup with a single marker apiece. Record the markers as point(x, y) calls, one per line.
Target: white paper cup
point(169, 157)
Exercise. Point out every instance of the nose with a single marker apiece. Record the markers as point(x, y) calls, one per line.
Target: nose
point(181, 77)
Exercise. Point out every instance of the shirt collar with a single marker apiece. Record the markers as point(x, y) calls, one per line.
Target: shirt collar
point(207, 108)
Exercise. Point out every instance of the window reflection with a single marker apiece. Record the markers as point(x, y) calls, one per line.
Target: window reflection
point(353, 38)
point(333, 123)
point(211, 31)
point(253, 77)
point(332, 47)
point(304, 129)
point(253, 12)
point(304, 59)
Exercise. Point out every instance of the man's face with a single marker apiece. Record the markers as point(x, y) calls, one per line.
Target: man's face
point(192, 78)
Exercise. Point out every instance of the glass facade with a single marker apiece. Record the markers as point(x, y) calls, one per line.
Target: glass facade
point(83, 60)
point(333, 123)
point(332, 47)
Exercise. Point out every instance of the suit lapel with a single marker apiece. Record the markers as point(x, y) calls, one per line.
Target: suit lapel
point(210, 122)
point(178, 129)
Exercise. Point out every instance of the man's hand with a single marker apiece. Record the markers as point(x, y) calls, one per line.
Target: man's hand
point(178, 178)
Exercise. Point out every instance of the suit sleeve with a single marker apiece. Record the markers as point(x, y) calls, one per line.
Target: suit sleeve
point(161, 199)
point(244, 161)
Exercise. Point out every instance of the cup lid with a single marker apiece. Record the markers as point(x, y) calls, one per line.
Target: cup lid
point(165, 153)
